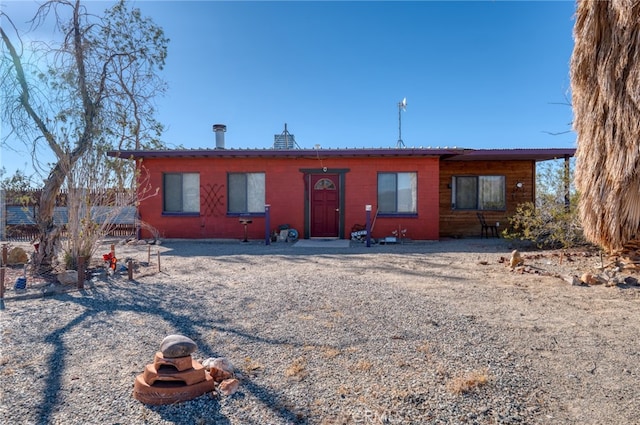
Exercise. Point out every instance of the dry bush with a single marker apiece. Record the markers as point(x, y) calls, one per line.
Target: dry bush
point(95, 209)
point(330, 353)
point(344, 390)
point(424, 348)
point(364, 365)
point(468, 381)
point(251, 367)
point(297, 369)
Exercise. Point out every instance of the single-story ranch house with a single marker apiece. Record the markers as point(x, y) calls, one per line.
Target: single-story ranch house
point(418, 193)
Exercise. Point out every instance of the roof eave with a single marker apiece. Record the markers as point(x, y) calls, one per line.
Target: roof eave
point(282, 153)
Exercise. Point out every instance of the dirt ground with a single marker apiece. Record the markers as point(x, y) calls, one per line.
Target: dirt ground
point(580, 340)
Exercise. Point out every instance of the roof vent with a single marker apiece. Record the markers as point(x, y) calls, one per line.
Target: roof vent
point(219, 129)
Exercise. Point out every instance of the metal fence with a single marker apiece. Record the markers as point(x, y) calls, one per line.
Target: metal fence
point(18, 215)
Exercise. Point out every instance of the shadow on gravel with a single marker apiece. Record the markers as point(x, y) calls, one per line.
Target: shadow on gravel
point(185, 318)
point(213, 247)
point(182, 313)
point(56, 366)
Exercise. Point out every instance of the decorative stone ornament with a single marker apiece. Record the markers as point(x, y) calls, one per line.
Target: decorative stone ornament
point(175, 346)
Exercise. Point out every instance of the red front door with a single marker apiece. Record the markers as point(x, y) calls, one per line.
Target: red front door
point(324, 205)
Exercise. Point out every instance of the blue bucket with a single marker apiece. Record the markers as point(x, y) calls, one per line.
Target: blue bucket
point(21, 283)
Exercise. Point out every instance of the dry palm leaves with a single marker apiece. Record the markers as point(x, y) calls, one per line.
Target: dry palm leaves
point(605, 84)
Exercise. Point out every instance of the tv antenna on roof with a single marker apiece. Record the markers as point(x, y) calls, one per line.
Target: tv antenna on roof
point(402, 106)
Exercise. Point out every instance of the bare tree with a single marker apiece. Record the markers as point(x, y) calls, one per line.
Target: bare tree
point(92, 88)
point(95, 209)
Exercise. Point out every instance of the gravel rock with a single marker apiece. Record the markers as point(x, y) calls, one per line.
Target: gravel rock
point(414, 333)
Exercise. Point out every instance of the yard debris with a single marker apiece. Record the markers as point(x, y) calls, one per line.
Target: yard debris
point(516, 259)
point(219, 368)
point(111, 260)
point(68, 277)
point(573, 280)
point(609, 272)
point(229, 386)
point(358, 232)
point(591, 279)
point(626, 258)
point(17, 255)
point(21, 283)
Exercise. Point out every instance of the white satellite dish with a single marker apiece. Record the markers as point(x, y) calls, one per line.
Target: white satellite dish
point(403, 104)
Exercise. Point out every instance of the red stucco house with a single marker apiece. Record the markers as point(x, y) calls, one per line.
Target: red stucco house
point(323, 193)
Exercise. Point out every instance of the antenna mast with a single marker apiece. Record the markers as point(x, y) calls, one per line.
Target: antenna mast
point(402, 106)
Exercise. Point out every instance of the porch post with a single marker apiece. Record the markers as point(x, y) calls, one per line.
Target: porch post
point(567, 183)
point(267, 225)
point(367, 208)
point(3, 216)
point(2, 273)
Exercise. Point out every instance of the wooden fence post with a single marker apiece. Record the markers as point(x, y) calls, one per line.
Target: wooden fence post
point(148, 254)
point(4, 255)
point(2, 272)
point(130, 269)
point(158, 261)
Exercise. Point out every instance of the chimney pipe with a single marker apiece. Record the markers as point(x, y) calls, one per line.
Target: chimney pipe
point(219, 129)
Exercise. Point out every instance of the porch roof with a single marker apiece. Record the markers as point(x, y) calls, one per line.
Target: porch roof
point(449, 154)
point(543, 154)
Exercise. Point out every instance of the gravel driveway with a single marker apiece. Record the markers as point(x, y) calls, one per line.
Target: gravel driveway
point(415, 333)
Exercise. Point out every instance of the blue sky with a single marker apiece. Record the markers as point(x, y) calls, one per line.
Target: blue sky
point(481, 74)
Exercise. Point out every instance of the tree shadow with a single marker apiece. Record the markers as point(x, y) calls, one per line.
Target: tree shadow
point(225, 248)
point(186, 319)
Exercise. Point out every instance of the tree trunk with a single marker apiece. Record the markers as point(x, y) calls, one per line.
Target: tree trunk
point(47, 255)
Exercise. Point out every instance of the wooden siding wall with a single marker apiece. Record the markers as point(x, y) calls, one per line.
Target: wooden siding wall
point(465, 223)
point(285, 194)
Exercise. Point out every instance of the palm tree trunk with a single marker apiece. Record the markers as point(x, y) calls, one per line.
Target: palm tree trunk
point(605, 86)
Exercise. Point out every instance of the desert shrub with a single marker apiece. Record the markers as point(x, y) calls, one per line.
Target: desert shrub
point(553, 221)
point(549, 225)
point(467, 382)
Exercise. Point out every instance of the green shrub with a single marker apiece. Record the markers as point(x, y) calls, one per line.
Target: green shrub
point(550, 225)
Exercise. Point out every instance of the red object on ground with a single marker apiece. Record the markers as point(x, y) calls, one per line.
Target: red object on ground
point(111, 259)
point(172, 380)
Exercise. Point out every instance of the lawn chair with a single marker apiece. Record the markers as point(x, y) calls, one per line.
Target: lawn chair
point(486, 228)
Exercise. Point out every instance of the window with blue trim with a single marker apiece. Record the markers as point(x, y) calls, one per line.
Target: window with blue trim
point(246, 193)
point(181, 193)
point(397, 193)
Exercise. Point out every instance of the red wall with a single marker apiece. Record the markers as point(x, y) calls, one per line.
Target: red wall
point(285, 194)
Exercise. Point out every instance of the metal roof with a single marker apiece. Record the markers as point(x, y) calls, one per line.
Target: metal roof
point(451, 154)
point(514, 154)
